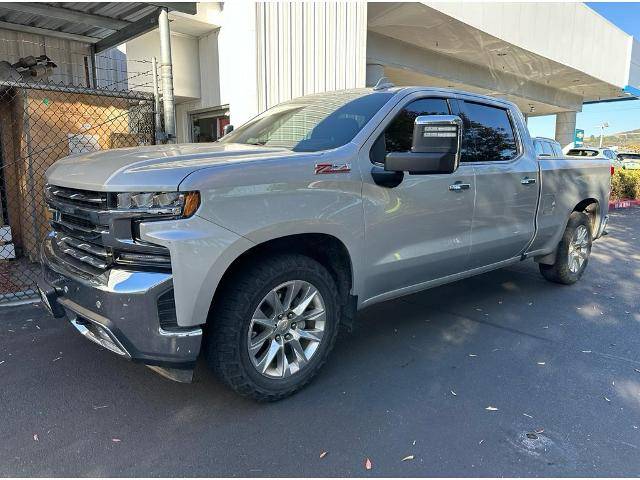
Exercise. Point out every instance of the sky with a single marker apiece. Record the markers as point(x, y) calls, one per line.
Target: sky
point(621, 116)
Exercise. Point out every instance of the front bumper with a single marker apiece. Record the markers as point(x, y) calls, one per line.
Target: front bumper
point(119, 310)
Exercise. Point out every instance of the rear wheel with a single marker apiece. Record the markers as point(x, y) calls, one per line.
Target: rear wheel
point(273, 327)
point(573, 252)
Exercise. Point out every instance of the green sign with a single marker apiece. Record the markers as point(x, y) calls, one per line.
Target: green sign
point(578, 138)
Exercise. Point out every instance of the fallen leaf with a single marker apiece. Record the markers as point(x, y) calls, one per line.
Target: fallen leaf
point(454, 393)
point(367, 464)
point(480, 442)
point(116, 440)
point(539, 431)
point(530, 303)
point(607, 399)
point(407, 458)
point(56, 359)
point(414, 443)
point(527, 415)
point(2, 362)
point(491, 409)
point(323, 454)
point(35, 437)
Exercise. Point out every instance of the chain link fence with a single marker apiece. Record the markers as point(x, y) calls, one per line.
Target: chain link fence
point(47, 119)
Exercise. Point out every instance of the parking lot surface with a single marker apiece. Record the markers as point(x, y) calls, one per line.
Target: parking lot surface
point(501, 374)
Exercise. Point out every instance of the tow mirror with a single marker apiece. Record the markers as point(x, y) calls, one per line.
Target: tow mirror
point(435, 148)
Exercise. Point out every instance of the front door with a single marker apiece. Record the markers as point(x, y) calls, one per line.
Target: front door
point(506, 183)
point(418, 230)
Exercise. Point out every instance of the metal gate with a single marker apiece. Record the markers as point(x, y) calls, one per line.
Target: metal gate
point(39, 124)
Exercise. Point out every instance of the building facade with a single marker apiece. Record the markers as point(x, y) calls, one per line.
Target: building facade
point(234, 60)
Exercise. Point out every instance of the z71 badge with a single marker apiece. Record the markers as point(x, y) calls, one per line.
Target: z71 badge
point(322, 168)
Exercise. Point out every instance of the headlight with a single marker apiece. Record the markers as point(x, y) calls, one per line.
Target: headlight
point(182, 204)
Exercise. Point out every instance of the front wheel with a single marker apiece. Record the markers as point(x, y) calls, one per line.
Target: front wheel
point(573, 252)
point(274, 326)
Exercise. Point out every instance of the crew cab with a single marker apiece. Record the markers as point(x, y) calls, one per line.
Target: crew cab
point(253, 250)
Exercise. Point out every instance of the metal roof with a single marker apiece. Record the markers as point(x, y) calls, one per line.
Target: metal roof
point(98, 23)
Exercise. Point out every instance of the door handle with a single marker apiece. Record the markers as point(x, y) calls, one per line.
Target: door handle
point(527, 181)
point(458, 186)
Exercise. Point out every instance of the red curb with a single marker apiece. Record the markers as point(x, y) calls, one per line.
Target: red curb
point(616, 204)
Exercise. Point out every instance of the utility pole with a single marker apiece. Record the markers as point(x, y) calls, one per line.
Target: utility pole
point(166, 70)
point(602, 127)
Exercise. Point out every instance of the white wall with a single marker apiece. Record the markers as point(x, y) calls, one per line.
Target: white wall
point(633, 78)
point(309, 47)
point(227, 59)
point(184, 57)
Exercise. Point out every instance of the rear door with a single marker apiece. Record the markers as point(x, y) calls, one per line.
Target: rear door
point(506, 182)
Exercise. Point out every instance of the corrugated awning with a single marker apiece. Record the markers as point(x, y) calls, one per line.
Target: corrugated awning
point(104, 25)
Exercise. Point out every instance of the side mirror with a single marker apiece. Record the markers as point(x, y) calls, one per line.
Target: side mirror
point(435, 149)
point(227, 129)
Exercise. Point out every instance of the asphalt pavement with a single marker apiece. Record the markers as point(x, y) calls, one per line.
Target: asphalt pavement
point(503, 374)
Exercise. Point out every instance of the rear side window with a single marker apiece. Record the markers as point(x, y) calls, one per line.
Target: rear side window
point(399, 134)
point(546, 148)
point(538, 145)
point(488, 135)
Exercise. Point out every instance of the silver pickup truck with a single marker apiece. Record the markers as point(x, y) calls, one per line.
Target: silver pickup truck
point(254, 249)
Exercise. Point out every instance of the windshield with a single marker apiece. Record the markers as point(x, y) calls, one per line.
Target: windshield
point(312, 123)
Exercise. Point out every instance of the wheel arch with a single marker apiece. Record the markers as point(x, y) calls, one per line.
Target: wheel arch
point(591, 207)
point(326, 249)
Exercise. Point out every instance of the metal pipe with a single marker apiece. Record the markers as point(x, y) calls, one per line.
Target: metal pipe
point(166, 70)
point(156, 97)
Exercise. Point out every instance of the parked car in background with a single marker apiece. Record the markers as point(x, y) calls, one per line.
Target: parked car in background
point(547, 147)
point(629, 161)
point(256, 248)
point(596, 153)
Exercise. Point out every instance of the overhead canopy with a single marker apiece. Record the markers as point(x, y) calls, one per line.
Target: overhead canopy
point(104, 25)
point(547, 58)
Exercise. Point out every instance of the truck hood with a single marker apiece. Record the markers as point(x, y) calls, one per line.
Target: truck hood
point(151, 168)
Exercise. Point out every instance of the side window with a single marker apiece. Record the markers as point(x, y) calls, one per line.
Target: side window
point(399, 133)
point(488, 134)
point(546, 148)
point(557, 151)
point(538, 145)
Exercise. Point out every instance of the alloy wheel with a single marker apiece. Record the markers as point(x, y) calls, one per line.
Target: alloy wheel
point(286, 329)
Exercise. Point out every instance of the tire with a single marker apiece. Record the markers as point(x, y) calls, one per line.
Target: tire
point(236, 323)
point(565, 270)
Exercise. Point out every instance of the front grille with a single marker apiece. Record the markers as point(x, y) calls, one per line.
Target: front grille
point(82, 222)
point(82, 198)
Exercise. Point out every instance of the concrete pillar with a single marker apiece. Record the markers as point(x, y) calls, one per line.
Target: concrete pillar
point(565, 128)
point(375, 72)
